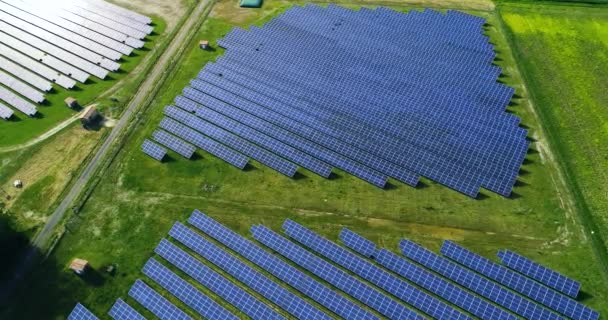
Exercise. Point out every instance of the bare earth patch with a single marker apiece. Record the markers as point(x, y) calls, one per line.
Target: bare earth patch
point(170, 11)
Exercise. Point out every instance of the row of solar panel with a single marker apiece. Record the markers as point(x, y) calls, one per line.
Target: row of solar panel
point(461, 292)
point(507, 185)
point(70, 40)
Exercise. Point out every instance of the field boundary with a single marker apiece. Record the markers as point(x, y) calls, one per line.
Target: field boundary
point(583, 213)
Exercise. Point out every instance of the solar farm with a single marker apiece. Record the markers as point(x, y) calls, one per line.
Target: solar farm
point(371, 283)
point(350, 160)
point(62, 44)
point(429, 105)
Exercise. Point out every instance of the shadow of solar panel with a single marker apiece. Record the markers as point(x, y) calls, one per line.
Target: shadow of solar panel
point(81, 313)
point(156, 303)
point(425, 279)
point(519, 283)
point(185, 291)
point(122, 311)
point(280, 269)
point(539, 273)
point(476, 283)
point(368, 271)
point(215, 282)
point(328, 272)
point(247, 275)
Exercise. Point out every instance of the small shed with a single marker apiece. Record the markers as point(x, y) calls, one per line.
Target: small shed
point(71, 103)
point(204, 44)
point(89, 116)
point(79, 266)
point(18, 184)
point(251, 3)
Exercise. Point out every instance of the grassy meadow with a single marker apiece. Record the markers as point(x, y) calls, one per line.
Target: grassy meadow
point(564, 56)
point(138, 199)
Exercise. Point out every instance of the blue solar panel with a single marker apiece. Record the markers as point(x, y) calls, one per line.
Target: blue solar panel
point(435, 284)
point(184, 291)
point(368, 271)
point(292, 276)
point(519, 283)
point(229, 139)
point(122, 311)
point(81, 313)
point(215, 282)
point(540, 273)
point(427, 104)
point(261, 139)
point(476, 283)
point(153, 150)
point(183, 148)
point(215, 148)
point(247, 275)
point(328, 272)
point(156, 303)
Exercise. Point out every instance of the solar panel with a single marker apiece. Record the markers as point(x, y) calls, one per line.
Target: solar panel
point(217, 149)
point(156, 303)
point(132, 15)
point(81, 313)
point(28, 14)
point(519, 283)
point(539, 273)
point(328, 272)
point(35, 66)
point(122, 311)
point(5, 112)
point(153, 150)
point(184, 291)
point(79, 32)
point(209, 113)
point(233, 141)
point(17, 102)
point(215, 282)
point(53, 50)
point(280, 269)
point(425, 279)
point(368, 271)
point(25, 74)
point(183, 148)
point(476, 283)
point(21, 88)
point(247, 275)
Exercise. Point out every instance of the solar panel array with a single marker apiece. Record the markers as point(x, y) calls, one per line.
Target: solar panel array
point(81, 313)
point(368, 271)
point(519, 283)
point(539, 273)
point(376, 93)
point(64, 43)
point(153, 150)
point(122, 311)
point(355, 281)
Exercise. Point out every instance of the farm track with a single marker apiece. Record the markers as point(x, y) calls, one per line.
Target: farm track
point(147, 88)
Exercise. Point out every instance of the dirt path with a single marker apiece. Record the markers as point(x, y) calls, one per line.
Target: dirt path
point(42, 137)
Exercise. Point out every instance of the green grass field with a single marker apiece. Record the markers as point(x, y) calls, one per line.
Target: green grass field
point(564, 55)
point(138, 200)
point(53, 111)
